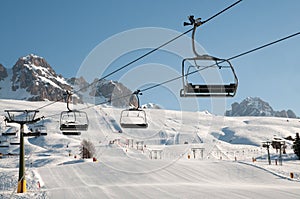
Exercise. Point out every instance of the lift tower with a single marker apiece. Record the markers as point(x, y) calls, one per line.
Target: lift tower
point(22, 117)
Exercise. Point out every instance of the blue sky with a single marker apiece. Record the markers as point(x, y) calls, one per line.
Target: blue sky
point(65, 32)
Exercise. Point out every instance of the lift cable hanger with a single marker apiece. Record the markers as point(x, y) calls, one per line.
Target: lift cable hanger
point(205, 90)
point(72, 122)
point(146, 54)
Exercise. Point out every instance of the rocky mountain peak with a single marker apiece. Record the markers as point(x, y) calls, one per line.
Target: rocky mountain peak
point(3, 72)
point(254, 106)
point(37, 77)
point(112, 90)
point(32, 78)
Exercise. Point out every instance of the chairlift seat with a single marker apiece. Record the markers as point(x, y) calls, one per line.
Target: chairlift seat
point(9, 134)
point(34, 134)
point(73, 127)
point(208, 90)
point(71, 133)
point(14, 143)
point(131, 125)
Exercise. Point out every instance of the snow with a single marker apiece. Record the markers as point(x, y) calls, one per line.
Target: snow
point(46, 75)
point(21, 94)
point(8, 93)
point(26, 58)
point(125, 169)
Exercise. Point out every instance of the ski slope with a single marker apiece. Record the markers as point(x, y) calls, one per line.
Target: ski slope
point(125, 168)
point(182, 179)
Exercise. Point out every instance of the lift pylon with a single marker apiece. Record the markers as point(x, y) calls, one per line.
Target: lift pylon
point(21, 117)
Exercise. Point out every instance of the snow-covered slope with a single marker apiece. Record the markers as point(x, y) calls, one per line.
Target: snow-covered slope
point(165, 160)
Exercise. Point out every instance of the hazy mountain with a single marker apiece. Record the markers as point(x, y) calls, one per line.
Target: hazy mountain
point(254, 106)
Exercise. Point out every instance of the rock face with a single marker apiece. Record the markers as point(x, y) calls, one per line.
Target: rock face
point(3, 72)
point(112, 91)
point(254, 106)
point(33, 79)
point(37, 77)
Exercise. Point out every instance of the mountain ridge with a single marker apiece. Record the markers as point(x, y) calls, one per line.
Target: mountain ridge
point(33, 79)
point(255, 106)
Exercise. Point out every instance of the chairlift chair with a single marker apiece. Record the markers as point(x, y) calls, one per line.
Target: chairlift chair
point(41, 129)
point(134, 117)
point(10, 132)
point(37, 129)
point(202, 89)
point(208, 90)
point(14, 141)
point(72, 122)
point(3, 142)
point(11, 135)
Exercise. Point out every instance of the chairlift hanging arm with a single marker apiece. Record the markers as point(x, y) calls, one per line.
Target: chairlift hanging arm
point(68, 96)
point(195, 23)
point(137, 93)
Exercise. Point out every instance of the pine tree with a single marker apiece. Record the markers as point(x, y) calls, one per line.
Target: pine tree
point(87, 149)
point(296, 145)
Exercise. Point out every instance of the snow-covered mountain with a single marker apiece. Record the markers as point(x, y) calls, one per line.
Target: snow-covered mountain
point(151, 106)
point(33, 79)
point(254, 106)
point(32, 75)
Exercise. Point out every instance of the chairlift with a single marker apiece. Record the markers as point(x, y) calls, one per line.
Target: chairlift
point(10, 132)
point(72, 122)
point(12, 135)
point(206, 61)
point(37, 129)
point(14, 141)
point(3, 142)
point(134, 117)
point(3, 145)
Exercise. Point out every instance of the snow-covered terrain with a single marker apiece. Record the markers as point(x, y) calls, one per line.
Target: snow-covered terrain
point(179, 155)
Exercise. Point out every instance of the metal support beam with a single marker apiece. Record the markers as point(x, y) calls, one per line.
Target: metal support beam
point(22, 180)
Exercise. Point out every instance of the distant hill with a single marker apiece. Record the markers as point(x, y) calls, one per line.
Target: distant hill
point(254, 106)
point(33, 79)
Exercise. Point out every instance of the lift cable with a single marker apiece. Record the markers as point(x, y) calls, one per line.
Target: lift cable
point(231, 58)
point(179, 77)
point(157, 48)
point(144, 55)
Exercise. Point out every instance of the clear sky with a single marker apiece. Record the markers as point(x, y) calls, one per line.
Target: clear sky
point(65, 32)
